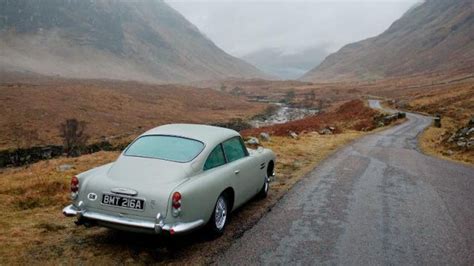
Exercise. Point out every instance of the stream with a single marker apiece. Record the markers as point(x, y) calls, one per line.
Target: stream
point(282, 115)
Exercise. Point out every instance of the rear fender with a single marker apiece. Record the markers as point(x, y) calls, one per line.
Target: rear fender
point(200, 193)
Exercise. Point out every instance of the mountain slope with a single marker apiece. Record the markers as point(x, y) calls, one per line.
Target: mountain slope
point(437, 35)
point(140, 40)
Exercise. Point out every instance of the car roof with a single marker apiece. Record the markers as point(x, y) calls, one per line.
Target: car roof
point(209, 135)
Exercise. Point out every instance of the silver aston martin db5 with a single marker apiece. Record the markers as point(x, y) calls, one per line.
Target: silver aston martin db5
point(173, 179)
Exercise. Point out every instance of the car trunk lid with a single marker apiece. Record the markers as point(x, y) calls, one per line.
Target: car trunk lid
point(150, 180)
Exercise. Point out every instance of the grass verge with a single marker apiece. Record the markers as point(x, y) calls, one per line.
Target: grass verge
point(433, 142)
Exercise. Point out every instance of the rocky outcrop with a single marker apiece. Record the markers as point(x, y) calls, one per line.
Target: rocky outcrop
point(464, 137)
point(387, 119)
point(19, 157)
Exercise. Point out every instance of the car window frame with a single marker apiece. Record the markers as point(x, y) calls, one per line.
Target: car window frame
point(164, 135)
point(242, 144)
point(225, 158)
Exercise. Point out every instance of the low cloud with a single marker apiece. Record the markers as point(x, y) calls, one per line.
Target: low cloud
point(241, 27)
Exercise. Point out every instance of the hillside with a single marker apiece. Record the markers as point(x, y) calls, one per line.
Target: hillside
point(436, 36)
point(129, 40)
point(111, 109)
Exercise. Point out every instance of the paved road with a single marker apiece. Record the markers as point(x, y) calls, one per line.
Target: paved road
point(378, 201)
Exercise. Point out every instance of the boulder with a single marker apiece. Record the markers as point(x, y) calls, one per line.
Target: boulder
point(452, 138)
point(470, 132)
point(293, 135)
point(253, 141)
point(463, 131)
point(64, 167)
point(325, 131)
point(264, 136)
point(470, 144)
point(448, 153)
point(401, 115)
point(461, 144)
point(471, 122)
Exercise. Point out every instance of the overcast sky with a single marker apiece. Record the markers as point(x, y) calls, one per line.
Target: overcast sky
point(244, 26)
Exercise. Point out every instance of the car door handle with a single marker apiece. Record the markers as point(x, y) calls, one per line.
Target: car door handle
point(236, 172)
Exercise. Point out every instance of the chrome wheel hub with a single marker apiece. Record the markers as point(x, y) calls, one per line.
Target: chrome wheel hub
point(220, 213)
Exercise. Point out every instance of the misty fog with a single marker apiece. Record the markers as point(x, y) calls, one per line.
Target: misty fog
point(254, 29)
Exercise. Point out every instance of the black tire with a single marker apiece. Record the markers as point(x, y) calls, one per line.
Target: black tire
point(216, 225)
point(263, 193)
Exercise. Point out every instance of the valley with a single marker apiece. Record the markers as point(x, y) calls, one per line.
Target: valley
point(374, 144)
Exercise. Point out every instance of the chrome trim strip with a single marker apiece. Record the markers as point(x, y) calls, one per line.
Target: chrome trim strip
point(183, 227)
point(157, 226)
point(124, 191)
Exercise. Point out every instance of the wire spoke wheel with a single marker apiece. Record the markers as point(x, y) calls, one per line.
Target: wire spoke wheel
point(220, 213)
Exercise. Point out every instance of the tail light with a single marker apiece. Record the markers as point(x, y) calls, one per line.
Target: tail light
point(176, 203)
point(74, 184)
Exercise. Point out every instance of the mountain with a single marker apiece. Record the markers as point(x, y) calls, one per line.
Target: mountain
point(143, 40)
point(435, 36)
point(286, 65)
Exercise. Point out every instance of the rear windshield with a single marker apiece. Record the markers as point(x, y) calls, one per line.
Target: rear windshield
point(168, 148)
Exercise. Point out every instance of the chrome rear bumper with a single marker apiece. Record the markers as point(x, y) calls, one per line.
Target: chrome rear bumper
point(158, 226)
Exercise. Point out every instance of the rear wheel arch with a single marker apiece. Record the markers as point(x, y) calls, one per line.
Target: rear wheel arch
point(229, 193)
point(270, 168)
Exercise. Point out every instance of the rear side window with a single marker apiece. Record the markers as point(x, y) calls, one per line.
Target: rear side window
point(234, 149)
point(215, 159)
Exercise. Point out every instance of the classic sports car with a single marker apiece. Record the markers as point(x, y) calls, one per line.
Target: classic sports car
point(173, 179)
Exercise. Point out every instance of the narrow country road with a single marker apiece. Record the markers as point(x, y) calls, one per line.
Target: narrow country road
point(378, 201)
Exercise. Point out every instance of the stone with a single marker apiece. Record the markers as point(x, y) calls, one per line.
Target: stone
point(293, 135)
point(253, 141)
point(452, 138)
point(470, 131)
point(264, 136)
point(471, 122)
point(463, 131)
point(332, 128)
point(325, 131)
point(380, 124)
point(449, 152)
point(65, 167)
point(437, 122)
point(470, 144)
point(461, 144)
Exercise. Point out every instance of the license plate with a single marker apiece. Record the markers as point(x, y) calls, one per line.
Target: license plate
point(124, 202)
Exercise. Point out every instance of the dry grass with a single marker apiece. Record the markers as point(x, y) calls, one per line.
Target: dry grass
point(455, 104)
point(31, 199)
point(33, 230)
point(433, 142)
point(352, 115)
point(111, 109)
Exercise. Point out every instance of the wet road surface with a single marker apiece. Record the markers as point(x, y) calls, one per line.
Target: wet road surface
point(378, 201)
